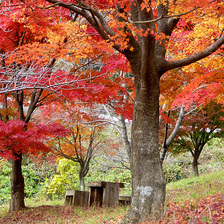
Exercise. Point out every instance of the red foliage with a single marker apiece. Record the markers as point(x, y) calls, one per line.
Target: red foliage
point(208, 209)
point(17, 137)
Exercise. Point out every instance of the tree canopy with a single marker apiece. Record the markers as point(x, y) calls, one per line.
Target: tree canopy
point(156, 38)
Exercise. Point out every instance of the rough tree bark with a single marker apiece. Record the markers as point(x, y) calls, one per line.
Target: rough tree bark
point(17, 185)
point(195, 167)
point(148, 183)
point(148, 63)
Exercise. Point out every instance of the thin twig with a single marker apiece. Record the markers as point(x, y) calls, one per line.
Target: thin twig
point(161, 17)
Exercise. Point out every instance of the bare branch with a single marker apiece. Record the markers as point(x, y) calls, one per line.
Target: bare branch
point(169, 140)
point(221, 33)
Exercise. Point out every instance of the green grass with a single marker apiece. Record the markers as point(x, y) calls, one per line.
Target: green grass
point(202, 179)
point(37, 202)
point(4, 210)
point(196, 187)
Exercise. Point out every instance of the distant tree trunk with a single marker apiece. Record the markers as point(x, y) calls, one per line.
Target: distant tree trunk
point(124, 134)
point(17, 185)
point(195, 167)
point(17, 180)
point(196, 154)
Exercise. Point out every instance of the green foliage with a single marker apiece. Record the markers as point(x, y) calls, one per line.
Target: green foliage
point(212, 160)
point(5, 183)
point(66, 178)
point(175, 171)
point(214, 146)
point(52, 180)
point(202, 180)
point(178, 166)
point(34, 177)
point(35, 174)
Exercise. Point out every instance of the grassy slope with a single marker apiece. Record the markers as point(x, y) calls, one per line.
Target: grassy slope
point(192, 200)
point(196, 187)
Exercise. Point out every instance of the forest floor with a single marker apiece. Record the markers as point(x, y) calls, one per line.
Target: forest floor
point(192, 200)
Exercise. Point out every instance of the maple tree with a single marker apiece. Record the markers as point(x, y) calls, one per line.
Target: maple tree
point(197, 129)
point(85, 122)
point(78, 147)
point(39, 65)
point(203, 83)
point(83, 141)
point(16, 69)
point(18, 138)
point(147, 33)
point(31, 75)
point(142, 30)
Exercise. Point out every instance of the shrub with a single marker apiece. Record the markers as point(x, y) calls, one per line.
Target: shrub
point(175, 171)
point(66, 178)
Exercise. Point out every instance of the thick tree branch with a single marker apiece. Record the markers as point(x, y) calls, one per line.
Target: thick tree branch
point(169, 140)
point(90, 15)
point(33, 104)
point(98, 22)
point(187, 61)
point(177, 127)
point(19, 97)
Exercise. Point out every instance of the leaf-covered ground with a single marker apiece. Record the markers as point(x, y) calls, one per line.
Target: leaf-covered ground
point(191, 201)
point(64, 214)
point(209, 209)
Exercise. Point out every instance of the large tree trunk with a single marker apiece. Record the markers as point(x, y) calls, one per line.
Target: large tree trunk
point(17, 185)
point(148, 182)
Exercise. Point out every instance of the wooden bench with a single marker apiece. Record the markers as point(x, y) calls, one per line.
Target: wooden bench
point(124, 199)
point(77, 198)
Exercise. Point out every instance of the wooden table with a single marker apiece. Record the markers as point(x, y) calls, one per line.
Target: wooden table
point(104, 193)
